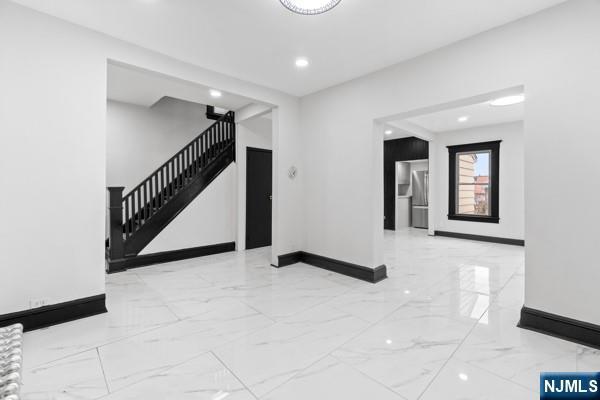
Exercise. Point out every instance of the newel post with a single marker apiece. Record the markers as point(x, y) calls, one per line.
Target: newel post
point(115, 223)
point(233, 133)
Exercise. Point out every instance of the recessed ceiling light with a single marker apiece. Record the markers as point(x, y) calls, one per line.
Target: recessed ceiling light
point(309, 7)
point(302, 62)
point(215, 93)
point(463, 377)
point(389, 341)
point(508, 100)
point(464, 118)
point(388, 132)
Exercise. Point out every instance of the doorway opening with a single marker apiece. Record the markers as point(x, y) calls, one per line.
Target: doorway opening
point(172, 171)
point(473, 183)
point(255, 180)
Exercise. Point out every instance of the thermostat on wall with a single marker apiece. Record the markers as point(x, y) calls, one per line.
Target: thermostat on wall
point(292, 172)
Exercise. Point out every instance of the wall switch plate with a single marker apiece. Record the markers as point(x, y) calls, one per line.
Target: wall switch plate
point(37, 303)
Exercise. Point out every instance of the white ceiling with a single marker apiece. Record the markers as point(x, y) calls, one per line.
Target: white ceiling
point(479, 115)
point(145, 88)
point(258, 40)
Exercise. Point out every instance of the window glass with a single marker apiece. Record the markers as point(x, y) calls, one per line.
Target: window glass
point(473, 192)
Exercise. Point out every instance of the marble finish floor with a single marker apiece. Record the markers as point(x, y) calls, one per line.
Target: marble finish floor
point(442, 326)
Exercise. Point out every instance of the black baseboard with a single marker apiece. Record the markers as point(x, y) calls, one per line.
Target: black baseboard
point(330, 264)
point(289, 259)
point(560, 327)
point(57, 313)
point(167, 256)
point(479, 238)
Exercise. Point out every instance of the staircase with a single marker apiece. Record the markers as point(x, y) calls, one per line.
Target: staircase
point(139, 216)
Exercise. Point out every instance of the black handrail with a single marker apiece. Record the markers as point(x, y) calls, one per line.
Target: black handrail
point(173, 175)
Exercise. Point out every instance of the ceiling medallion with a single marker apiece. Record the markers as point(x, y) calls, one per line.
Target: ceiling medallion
point(309, 7)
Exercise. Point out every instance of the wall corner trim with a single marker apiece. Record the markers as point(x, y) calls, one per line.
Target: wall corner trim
point(289, 259)
point(480, 238)
point(372, 275)
point(560, 327)
point(54, 314)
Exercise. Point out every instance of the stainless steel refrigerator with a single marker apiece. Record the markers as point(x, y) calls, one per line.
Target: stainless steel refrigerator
point(420, 199)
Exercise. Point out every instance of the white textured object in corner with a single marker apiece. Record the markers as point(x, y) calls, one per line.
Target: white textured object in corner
point(11, 338)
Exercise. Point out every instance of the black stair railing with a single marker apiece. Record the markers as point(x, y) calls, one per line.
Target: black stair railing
point(139, 205)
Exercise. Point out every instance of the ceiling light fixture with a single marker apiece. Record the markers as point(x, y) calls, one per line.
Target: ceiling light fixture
point(463, 377)
point(302, 62)
point(215, 93)
point(309, 7)
point(388, 132)
point(464, 118)
point(508, 100)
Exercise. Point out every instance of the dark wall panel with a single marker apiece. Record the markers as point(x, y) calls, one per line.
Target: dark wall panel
point(405, 149)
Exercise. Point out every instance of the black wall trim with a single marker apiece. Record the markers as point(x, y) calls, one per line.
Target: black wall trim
point(259, 149)
point(211, 114)
point(167, 256)
point(479, 238)
point(56, 313)
point(474, 218)
point(289, 259)
point(560, 327)
point(330, 264)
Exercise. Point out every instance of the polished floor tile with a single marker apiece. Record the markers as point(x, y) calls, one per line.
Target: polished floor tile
point(497, 346)
point(202, 378)
point(75, 377)
point(404, 352)
point(229, 326)
point(136, 358)
point(331, 379)
point(588, 360)
point(267, 358)
point(461, 381)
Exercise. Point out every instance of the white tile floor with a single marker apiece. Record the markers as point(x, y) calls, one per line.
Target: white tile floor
point(443, 325)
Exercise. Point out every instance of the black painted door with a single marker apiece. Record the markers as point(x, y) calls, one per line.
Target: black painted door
point(259, 167)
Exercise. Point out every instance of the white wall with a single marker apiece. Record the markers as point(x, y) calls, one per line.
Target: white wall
point(51, 162)
point(554, 55)
point(209, 219)
point(52, 120)
point(256, 132)
point(511, 193)
point(139, 139)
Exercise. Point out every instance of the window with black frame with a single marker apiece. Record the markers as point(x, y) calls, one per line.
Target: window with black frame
point(474, 182)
